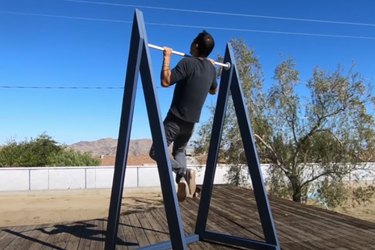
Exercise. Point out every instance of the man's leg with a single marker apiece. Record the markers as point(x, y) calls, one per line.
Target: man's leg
point(179, 154)
point(176, 166)
point(172, 129)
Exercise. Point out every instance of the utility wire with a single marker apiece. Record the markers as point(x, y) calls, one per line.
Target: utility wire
point(262, 31)
point(66, 17)
point(57, 87)
point(225, 13)
point(193, 26)
point(64, 87)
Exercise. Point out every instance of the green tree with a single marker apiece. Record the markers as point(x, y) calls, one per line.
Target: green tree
point(69, 157)
point(304, 140)
point(323, 136)
point(42, 151)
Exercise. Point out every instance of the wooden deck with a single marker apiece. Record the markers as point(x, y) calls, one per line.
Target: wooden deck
point(233, 211)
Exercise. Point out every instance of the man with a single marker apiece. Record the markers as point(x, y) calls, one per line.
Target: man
point(194, 77)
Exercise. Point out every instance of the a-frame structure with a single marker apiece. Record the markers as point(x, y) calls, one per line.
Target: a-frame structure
point(230, 83)
point(139, 62)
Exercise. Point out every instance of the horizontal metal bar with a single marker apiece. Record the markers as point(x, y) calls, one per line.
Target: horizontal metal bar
point(225, 65)
point(168, 245)
point(162, 48)
point(237, 241)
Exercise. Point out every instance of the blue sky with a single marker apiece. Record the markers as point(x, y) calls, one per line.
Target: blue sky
point(52, 50)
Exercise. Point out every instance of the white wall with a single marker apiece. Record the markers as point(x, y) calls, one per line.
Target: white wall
point(22, 179)
point(14, 179)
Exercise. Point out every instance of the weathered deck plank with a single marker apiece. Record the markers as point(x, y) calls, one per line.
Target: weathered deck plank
point(233, 211)
point(6, 238)
point(16, 241)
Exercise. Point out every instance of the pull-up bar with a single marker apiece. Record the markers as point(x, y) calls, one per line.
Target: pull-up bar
point(225, 65)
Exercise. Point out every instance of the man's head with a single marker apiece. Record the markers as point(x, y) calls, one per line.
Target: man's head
point(202, 45)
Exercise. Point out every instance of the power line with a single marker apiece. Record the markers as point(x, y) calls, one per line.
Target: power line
point(194, 26)
point(64, 87)
point(66, 17)
point(262, 31)
point(59, 87)
point(226, 13)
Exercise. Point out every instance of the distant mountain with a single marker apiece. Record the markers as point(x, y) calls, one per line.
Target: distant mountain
point(108, 147)
point(138, 151)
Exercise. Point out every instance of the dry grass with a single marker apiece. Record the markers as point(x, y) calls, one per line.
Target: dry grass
point(364, 212)
point(59, 206)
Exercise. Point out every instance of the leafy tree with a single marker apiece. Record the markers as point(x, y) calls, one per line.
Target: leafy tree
point(304, 140)
point(332, 192)
point(69, 157)
point(331, 129)
point(40, 152)
point(363, 195)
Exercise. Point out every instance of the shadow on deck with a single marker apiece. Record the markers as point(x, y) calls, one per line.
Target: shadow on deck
point(233, 211)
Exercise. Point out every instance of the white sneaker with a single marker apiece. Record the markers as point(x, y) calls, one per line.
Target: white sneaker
point(182, 189)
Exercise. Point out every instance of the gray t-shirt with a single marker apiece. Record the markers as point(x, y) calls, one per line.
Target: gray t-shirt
point(194, 77)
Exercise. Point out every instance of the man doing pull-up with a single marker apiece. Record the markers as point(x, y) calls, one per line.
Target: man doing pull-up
point(194, 77)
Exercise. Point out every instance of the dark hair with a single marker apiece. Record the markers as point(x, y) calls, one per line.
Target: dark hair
point(205, 43)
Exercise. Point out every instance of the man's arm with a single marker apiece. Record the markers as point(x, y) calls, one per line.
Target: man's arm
point(212, 91)
point(165, 74)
